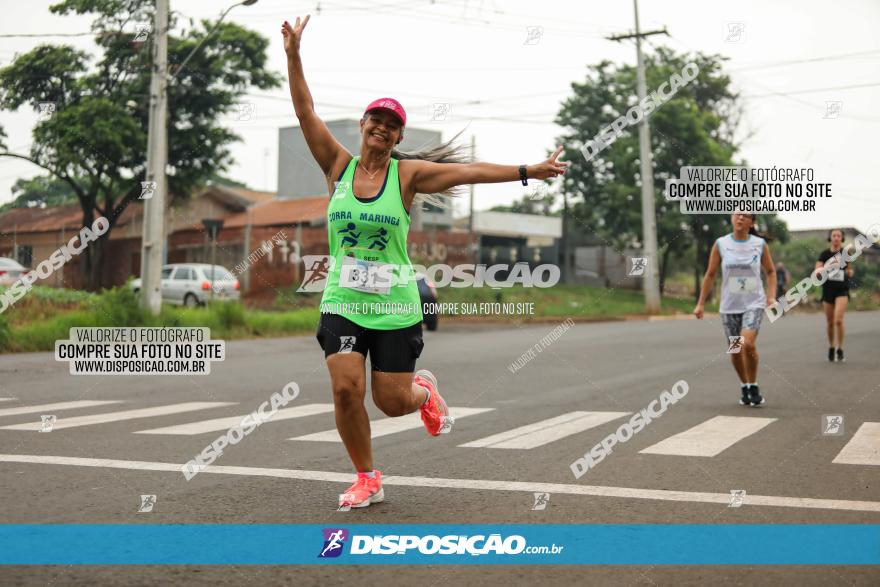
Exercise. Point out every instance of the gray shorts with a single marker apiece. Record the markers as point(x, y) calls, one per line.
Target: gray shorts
point(748, 320)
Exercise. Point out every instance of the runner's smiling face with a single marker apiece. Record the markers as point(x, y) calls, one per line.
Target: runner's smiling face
point(380, 129)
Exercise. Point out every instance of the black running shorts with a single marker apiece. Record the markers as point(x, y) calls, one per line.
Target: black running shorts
point(830, 292)
point(391, 351)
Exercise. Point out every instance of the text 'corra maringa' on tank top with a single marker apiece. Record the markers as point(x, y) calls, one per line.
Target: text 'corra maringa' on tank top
point(741, 286)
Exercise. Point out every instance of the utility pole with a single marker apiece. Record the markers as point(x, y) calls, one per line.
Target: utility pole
point(157, 158)
point(567, 273)
point(651, 279)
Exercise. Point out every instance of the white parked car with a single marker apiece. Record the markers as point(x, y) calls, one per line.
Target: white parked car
point(190, 284)
point(10, 270)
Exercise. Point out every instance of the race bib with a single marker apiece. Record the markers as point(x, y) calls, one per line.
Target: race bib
point(835, 273)
point(366, 276)
point(737, 285)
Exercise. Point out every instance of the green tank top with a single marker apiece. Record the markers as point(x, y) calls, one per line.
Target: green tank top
point(367, 240)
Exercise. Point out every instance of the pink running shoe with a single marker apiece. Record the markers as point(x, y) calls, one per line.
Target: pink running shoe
point(364, 491)
point(435, 414)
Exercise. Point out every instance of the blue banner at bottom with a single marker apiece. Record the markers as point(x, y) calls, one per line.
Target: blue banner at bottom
point(520, 544)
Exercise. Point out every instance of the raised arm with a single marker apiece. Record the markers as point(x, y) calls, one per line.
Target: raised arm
point(431, 178)
point(326, 150)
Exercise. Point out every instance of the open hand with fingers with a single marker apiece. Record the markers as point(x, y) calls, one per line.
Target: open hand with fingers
point(293, 35)
point(549, 168)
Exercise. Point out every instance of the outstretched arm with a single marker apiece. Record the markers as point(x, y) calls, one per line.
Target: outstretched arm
point(431, 178)
point(324, 147)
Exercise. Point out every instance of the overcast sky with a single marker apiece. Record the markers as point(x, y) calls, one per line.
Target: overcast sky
point(790, 58)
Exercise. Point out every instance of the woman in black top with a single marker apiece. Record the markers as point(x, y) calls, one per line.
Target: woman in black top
point(835, 294)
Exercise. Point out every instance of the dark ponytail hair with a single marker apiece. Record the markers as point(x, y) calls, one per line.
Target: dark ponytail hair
point(449, 152)
point(754, 231)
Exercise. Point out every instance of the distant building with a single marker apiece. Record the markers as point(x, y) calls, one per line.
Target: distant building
point(508, 237)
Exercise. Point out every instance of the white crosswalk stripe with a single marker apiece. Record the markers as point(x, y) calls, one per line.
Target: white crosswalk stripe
point(863, 448)
point(545, 431)
point(48, 408)
point(119, 416)
point(709, 438)
point(219, 424)
point(388, 426)
point(6, 399)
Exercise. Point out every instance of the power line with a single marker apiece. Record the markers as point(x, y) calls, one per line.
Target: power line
point(773, 64)
point(814, 90)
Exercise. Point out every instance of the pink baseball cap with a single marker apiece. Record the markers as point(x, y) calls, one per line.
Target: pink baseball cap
point(389, 104)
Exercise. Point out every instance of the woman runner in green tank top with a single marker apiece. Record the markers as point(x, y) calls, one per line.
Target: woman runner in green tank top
point(366, 311)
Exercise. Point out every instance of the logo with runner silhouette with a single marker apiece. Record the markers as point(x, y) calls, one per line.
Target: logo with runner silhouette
point(147, 504)
point(346, 343)
point(48, 422)
point(639, 264)
point(317, 267)
point(349, 236)
point(378, 239)
point(832, 424)
point(737, 498)
point(334, 541)
point(736, 343)
point(541, 501)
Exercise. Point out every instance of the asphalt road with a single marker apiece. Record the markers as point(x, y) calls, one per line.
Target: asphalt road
point(783, 463)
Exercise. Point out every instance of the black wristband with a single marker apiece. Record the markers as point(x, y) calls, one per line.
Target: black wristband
point(522, 175)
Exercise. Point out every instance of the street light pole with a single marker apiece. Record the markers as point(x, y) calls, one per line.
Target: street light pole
point(157, 156)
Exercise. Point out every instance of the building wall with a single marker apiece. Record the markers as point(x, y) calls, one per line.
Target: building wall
point(604, 267)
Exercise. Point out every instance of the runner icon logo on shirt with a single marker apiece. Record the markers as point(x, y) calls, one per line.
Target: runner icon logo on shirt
point(379, 240)
point(350, 236)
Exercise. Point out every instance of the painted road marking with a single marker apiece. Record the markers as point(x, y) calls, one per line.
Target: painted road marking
point(119, 416)
point(545, 431)
point(44, 408)
point(388, 426)
point(218, 424)
point(6, 399)
point(475, 484)
point(863, 448)
point(709, 438)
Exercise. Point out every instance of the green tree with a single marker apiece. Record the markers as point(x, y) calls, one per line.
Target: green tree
point(530, 205)
point(698, 126)
point(92, 134)
point(40, 192)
